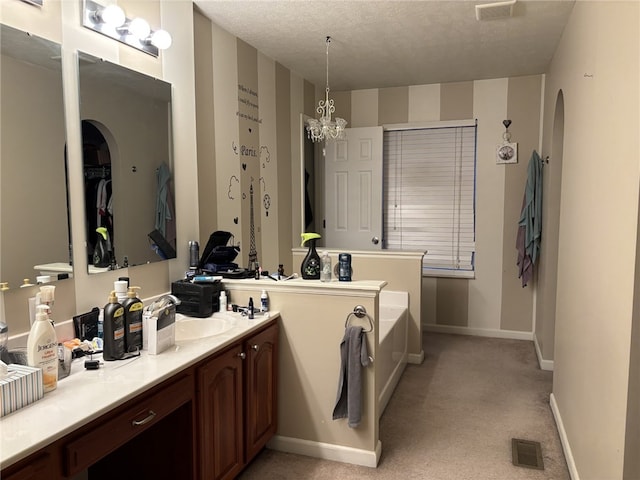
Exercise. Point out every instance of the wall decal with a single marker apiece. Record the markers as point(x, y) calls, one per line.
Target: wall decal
point(249, 130)
point(244, 166)
point(248, 102)
point(235, 220)
point(234, 187)
point(244, 196)
point(265, 156)
point(234, 147)
point(248, 151)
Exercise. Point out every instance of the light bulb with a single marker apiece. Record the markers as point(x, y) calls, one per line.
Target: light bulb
point(139, 28)
point(113, 16)
point(160, 39)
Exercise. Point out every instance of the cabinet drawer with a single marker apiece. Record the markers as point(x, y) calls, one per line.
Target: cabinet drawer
point(126, 424)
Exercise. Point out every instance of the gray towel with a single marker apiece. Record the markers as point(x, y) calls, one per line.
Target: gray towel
point(353, 356)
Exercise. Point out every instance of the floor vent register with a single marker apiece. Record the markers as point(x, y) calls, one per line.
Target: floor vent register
point(527, 453)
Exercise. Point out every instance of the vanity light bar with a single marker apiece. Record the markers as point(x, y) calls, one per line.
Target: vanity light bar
point(112, 22)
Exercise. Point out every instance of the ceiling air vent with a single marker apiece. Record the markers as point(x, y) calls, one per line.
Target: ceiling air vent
point(494, 11)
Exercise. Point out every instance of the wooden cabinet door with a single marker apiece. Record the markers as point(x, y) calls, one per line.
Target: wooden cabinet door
point(39, 466)
point(261, 390)
point(220, 423)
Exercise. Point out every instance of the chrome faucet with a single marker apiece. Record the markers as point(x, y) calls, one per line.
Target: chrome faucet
point(162, 302)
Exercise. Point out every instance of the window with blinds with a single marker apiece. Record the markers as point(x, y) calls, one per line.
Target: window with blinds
point(429, 195)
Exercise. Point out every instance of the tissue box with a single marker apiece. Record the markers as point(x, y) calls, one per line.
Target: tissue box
point(159, 332)
point(22, 386)
point(197, 299)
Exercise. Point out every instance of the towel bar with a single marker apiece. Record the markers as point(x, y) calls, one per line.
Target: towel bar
point(359, 311)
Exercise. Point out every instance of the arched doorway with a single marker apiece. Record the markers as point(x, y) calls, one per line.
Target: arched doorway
point(548, 266)
point(98, 190)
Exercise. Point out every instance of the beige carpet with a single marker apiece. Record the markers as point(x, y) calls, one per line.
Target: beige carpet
point(453, 417)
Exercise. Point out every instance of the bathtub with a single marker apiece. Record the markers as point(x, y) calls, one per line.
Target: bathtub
point(391, 354)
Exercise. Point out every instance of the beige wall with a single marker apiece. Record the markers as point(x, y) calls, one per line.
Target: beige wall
point(400, 270)
point(494, 303)
point(596, 67)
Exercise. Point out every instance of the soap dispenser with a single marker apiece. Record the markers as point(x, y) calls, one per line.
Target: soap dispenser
point(132, 321)
point(113, 348)
point(310, 267)
point(42, 348)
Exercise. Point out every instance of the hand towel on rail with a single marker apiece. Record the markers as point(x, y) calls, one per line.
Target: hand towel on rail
point(353, 356)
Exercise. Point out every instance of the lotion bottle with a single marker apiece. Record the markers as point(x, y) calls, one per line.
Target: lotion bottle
point(132, 321)
point(42, 348)
point(222, 301)
point(113, 329)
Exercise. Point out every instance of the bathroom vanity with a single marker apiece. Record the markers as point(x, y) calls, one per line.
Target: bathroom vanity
point(202, 409)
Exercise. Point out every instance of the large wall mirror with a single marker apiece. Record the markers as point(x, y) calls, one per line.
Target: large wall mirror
point(34, 229)
point(128, 187)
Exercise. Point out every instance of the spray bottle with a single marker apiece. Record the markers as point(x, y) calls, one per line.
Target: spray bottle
point(310, 267)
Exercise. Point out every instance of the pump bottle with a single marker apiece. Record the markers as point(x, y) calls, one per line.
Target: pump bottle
point(132, 321)
point(113, 329)
point(42, 348)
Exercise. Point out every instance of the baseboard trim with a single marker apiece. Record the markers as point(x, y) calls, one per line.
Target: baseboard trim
point(479, 332)
point(327, 451)
point(416, 358)
point(544, 364)
point(564, 440)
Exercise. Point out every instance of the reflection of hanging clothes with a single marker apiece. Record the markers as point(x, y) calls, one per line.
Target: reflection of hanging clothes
point(165, 208)
point(104, 203)
point(98, 204)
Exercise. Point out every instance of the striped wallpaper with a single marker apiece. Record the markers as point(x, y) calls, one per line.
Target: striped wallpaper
point(494, 303)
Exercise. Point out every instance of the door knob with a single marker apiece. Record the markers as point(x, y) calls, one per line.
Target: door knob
point(242, 355)
point(255, 348)
point(375, 240)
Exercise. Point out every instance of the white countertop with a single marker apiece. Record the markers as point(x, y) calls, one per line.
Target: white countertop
point(86, 394)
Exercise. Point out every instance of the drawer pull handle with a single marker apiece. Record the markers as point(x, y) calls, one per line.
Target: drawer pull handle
point(151, 416)
point(242, 355)
point(255, 348)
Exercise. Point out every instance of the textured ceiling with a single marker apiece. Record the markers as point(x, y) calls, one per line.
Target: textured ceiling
point(389, 43)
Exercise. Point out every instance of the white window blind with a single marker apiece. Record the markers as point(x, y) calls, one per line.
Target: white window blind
point(429, 190)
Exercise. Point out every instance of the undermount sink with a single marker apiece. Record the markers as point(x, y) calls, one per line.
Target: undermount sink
point(190, 328)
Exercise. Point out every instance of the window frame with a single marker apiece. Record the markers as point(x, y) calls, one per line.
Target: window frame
point(427, 270)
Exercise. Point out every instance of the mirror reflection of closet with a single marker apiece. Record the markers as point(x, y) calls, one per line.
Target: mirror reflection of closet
point(98, 188)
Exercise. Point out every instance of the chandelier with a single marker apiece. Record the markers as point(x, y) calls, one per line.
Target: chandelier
point(324, 128)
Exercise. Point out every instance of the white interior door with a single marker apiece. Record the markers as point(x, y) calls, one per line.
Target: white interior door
point(353, 197)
